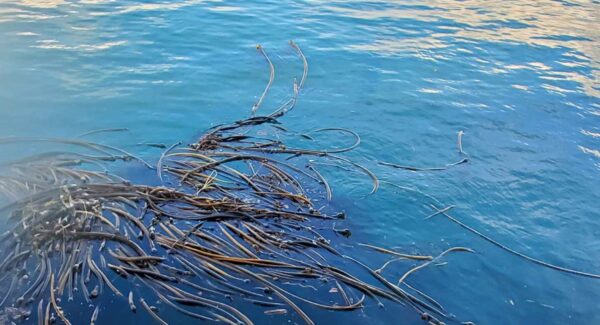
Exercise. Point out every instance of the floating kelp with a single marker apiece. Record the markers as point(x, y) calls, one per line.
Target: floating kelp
point(233, 219)
point(238, 218)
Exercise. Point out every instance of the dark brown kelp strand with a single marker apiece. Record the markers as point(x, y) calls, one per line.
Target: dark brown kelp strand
point(510, 250)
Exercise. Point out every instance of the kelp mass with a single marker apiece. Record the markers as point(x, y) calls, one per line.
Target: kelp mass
point(233, 218)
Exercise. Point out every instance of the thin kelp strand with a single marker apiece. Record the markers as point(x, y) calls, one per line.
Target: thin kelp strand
point(512, 251)
point(94, 146)
point(459, 142)
point(444, 210)
point(271, 78)
point(101, 131)
point(304, 63)
point(159, 164)
point(424, 169)
point(152, 313)
point(416, 268)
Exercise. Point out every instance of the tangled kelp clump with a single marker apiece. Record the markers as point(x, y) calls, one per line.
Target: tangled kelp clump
point(233, 222)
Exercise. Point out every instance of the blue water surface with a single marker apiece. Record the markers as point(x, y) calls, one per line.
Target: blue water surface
point(520, 78)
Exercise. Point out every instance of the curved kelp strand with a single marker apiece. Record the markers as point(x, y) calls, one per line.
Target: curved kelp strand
point(271, 78)
point(512, 251)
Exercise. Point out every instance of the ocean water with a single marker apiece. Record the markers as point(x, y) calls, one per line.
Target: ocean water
point(519, 78)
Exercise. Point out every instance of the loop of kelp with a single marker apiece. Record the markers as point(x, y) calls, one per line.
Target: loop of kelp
point(233, 219)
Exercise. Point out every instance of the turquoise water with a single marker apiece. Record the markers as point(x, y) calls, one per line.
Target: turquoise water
point(519, 78)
